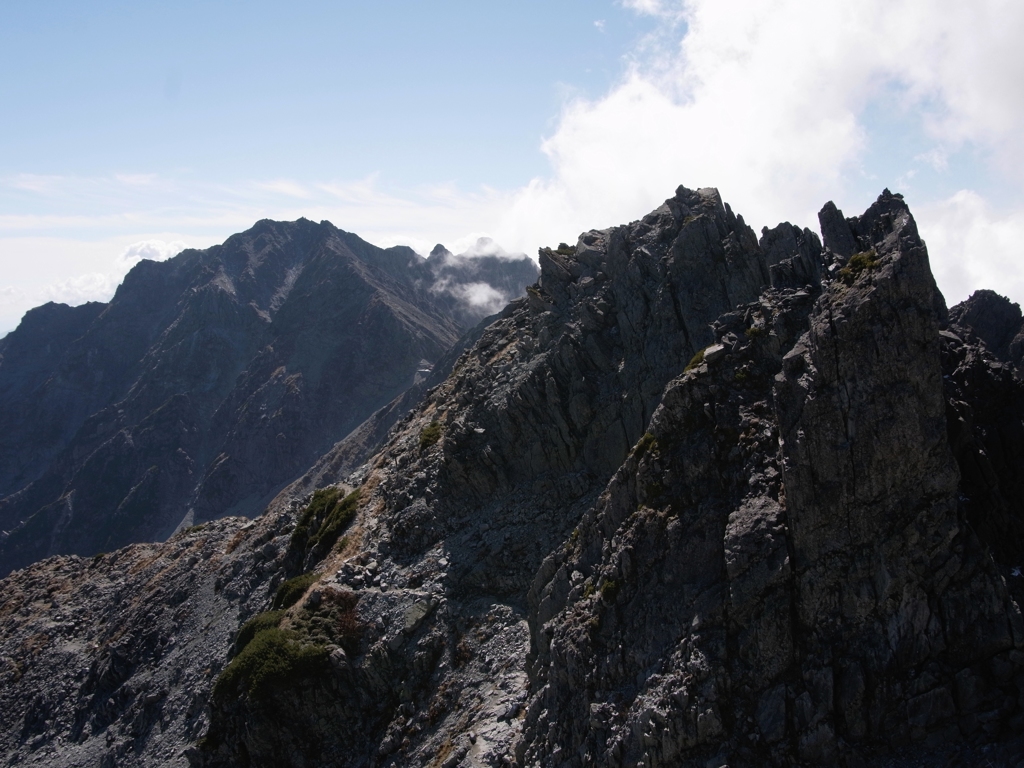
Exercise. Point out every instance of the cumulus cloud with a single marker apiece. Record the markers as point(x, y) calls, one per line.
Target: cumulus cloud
point(973, 245)
point(651, 7)
point(154, 250)
point(93, 286)
point(771, 103)
point(480, 296)
point(97, 285)
point(485, 246)
point(781, 105)
point(10, 295)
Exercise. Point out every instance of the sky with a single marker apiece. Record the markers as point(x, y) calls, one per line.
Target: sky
point(132, 130)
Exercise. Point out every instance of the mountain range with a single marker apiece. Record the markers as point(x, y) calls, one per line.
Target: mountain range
point(698, 498)
point(215, 378)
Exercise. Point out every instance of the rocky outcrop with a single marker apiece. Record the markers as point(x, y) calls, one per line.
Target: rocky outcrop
point(695, 500)
point(781, 572)
point(212, 380)
point(985, 419)
point(995, 321)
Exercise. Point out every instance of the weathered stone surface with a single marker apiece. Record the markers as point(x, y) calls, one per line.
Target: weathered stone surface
point(995, 321)
point(985, 420)
point(824, 588)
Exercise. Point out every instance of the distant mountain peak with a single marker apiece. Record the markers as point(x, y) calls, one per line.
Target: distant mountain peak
point(262, 351)
point(439, 252)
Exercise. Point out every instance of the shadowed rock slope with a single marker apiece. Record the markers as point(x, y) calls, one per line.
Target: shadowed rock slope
point(696, 500)
point(211, 380)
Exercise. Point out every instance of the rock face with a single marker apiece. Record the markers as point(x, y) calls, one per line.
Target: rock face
point(985, 420)
point(995, 321)
point(697, 499)
point(211, 380)
point(781, 571)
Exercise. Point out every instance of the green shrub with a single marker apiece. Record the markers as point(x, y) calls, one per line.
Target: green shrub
point(338, 518)
point(755, 332)
point(430, 435)
point(859, 262)
point(272, 656)
point(255, 625)
point(644, 444)
point(323, 521)
point(563, 249)
point(696, 360)
point(323, 499)
point(333, 621)
point(290, 591)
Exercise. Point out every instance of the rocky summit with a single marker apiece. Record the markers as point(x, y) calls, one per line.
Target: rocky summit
point(698, 499)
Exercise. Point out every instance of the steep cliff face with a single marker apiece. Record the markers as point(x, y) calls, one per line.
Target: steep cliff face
point(985, 418)
point(781, 572)
point(34, 350)
point(696, 500)
point(209, 382)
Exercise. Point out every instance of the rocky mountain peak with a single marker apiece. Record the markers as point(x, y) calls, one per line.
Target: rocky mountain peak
point(994, 320)
point(211, 380)
point(439, 253)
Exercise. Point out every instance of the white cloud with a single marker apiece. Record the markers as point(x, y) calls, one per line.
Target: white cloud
point(100, 286)
point(10, 295)
point(284, 187)
point(972, 246)
point(154, 250)
point(93, 286)
point(137, 179)
point(480, 296)
point(36, 270)
point(769, 103)
point(651, 7)
point(485, 246)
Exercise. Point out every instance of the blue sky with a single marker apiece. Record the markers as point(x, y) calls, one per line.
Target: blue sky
point(130, 130)
point(418, 92)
